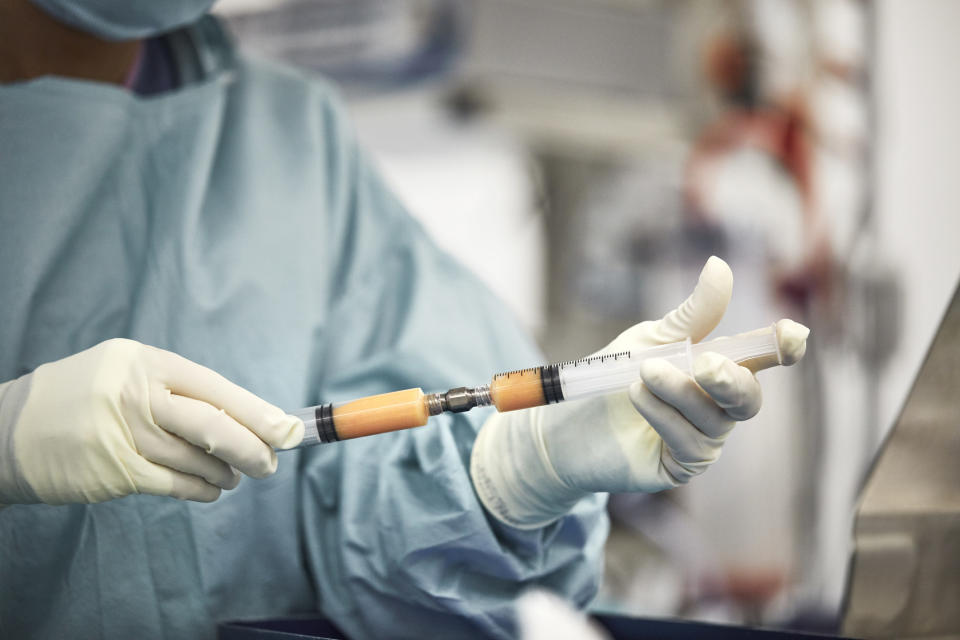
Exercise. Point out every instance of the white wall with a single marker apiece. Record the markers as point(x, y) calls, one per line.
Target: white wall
point(469, 185)
point(918, 191)
point(917, 208)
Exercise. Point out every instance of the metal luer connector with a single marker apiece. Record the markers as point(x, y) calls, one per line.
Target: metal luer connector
point(458, 400)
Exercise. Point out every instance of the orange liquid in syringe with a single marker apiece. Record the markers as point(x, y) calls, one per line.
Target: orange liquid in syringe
point(518, 389)
point(411, 408)
point(380, 413)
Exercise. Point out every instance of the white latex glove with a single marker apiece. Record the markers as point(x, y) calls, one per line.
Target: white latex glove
point(530, 467)
point(123, 418)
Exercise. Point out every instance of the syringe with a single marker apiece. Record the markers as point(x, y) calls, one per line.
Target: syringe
point(524, 388)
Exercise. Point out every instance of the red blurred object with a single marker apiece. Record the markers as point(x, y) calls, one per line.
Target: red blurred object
point(779, 128)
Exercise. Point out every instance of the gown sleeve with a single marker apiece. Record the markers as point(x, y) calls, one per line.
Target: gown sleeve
point(395, 538)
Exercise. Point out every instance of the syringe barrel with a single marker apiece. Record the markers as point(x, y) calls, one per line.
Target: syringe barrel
point(608, 373)
point(526, 388)
point(363, 417)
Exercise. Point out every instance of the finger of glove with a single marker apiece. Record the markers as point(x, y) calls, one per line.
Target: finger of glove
point(159, 480)
point(734, 388)
point(700, 313)
point(214, 431)
point(189, 379)
point(687, 451)
point(680, 391)
point(164, 448)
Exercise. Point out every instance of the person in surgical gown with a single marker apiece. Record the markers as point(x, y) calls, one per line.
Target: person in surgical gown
point(217, 207)
point(231, 219)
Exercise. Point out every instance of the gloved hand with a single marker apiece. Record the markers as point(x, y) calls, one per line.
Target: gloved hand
point(530, 467)
point(123, 418)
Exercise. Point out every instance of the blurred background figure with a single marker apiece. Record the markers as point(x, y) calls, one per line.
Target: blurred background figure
point(585, 156)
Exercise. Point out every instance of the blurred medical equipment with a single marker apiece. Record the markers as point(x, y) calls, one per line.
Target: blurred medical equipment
point(123, 418)
point(362, 44)
point(540, 615)
point(530, 467)
point(905, 574)
point(600, 374)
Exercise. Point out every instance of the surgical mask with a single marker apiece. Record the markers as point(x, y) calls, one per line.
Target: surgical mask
point(125, 19)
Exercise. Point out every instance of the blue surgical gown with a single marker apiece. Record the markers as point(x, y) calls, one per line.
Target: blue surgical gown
point(235, 222)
